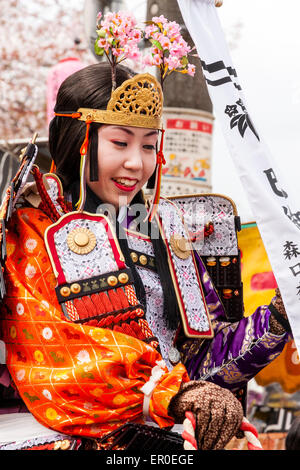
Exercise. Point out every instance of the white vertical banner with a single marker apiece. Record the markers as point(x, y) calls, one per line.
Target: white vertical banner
point(276, 214)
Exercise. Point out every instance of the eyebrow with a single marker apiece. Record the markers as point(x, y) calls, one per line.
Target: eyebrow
point(128, 131)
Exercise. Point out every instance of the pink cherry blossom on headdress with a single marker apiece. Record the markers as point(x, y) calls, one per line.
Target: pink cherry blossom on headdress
point(191, 69)
point(169, 51)
point(118, 34)
point(173, 62)
point(159, 19)
point(118, 38)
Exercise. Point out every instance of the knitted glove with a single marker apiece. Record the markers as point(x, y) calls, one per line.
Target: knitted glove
point(217, 412)
point(278, 323)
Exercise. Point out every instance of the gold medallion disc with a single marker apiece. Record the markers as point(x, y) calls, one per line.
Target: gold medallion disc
point(81, 240)
point(180, 246)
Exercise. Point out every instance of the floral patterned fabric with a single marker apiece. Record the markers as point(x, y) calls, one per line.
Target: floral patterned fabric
point(74, 378)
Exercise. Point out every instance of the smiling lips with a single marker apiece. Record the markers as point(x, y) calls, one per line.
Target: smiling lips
point(125, 184)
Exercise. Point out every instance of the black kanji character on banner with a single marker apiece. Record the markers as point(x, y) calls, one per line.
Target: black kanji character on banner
point(274, 183)
point(240, 119)
point(290, 250)
point(294, 217)
point(295, 269)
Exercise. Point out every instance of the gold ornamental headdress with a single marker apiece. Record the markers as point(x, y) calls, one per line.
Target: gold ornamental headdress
point(138, 102)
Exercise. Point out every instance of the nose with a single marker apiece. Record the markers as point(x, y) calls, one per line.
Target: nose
point(133, 160)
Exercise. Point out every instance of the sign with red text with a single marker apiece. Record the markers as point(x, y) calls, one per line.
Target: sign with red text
point(187, 150)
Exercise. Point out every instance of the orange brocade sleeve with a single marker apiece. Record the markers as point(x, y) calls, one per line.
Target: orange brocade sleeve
point(74, 378)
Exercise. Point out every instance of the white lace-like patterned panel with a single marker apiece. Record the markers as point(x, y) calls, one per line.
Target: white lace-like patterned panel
point(155, 312)
point(185, 270)
point(198, 210)
point(77, 267)
point(53, 192)
point(154, 299)
point(144, 245)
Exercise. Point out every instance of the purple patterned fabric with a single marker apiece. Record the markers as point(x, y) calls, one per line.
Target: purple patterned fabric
point(5, 379)
point(10, 401)
point(238, 350)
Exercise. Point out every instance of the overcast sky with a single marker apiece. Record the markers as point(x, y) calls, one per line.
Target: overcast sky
point(267, 59)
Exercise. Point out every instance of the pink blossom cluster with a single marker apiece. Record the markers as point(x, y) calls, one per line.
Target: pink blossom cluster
point(169, 51)
point(118, 36)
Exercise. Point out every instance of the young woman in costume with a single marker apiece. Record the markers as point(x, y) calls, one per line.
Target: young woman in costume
point(111, 316)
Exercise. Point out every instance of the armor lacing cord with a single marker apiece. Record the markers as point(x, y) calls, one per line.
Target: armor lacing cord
point(146, 329)
point(96, 299)
point(64, 205)
point(106, 310)
point(208, 230)
point(114, 298)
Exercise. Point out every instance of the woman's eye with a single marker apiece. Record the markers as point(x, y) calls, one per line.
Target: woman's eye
point(149, 147)
point(119, 143)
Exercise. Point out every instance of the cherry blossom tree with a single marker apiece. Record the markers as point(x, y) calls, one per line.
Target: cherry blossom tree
point(35, 35)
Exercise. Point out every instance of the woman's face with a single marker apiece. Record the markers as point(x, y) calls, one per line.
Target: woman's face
point(126, 160)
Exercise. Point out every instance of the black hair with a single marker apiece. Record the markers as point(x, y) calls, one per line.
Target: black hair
point(292, 441)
